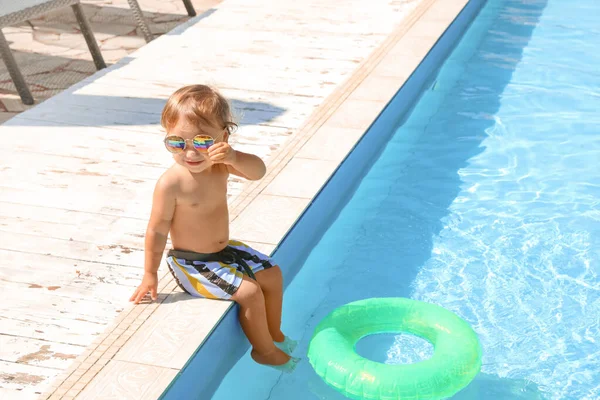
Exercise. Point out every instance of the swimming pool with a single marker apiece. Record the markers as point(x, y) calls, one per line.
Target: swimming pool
point(485, 201)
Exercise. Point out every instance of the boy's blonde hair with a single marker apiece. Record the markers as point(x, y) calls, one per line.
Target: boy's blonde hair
point(200, 105)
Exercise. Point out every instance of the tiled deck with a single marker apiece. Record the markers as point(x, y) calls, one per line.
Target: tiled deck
point(76, 185)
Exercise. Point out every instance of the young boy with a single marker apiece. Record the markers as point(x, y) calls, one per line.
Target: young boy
point(190, 203)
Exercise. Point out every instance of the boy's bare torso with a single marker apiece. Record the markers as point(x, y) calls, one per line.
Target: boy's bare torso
point(201, 219)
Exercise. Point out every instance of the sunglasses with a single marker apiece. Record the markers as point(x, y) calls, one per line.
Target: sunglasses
point(176, 144)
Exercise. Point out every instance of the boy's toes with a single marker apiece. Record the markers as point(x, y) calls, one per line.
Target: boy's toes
point(289, 366)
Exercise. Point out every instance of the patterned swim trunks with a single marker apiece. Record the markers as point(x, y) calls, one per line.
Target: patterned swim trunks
point(216, 275)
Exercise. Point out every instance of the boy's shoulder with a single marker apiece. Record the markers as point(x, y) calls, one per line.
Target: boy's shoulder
point(169, 181)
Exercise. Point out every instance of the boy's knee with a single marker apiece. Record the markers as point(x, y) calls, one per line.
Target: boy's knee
point(249, 292)
point(270, 278)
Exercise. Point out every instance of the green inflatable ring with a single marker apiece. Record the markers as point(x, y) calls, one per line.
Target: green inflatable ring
point(454, 364)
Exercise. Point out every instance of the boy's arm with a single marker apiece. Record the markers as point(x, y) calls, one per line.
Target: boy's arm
point(163, 209)
point(247, 166)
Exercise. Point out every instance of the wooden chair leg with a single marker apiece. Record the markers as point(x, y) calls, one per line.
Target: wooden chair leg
point(189, 8)
point(15, 73)
point(88, 34)
point(140, 20)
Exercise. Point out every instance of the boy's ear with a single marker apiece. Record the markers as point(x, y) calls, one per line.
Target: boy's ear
point(226, 135)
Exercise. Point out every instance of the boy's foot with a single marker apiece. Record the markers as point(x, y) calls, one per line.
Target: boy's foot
point(275, 357)
point(288, 367)
point(288, 345)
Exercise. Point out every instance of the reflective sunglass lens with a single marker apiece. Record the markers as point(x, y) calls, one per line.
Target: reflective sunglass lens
point(174, 144)
point(203, 142)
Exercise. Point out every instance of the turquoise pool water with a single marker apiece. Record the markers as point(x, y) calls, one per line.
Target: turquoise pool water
point(485, 201)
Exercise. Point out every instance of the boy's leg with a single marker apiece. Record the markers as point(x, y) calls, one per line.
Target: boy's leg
point(271, 283)
point(253, 318)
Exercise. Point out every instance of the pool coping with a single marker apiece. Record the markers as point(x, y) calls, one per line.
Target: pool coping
point(278, 199)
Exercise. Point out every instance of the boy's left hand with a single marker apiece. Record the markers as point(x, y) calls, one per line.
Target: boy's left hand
point(221, 152)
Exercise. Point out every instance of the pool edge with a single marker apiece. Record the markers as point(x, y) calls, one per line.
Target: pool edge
point(342, 180)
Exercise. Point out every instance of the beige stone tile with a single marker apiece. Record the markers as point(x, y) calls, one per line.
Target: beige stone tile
point(79, 386)
point(430, 27)
point(88, 376)
point(378, 88)
point(71, 380)
point(265, 248)
point(72, 393)
point(301, 177)
point(412, 44)
point(444, 10)
point(122, 380)
point(170, 336)
point(356, 114)
point(112, 351)
point(400, 66)
point(81, 370)
point(61, 391)
point(267, 218)
point(330, 143)
point(120, 341)
point(408, 52)
point(101, 349)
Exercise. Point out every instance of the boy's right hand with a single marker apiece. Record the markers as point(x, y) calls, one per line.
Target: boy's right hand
point(149, 284)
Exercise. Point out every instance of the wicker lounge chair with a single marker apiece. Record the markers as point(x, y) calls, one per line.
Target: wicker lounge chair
point(14, 12)
point(17, 11)
point(141, 22)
